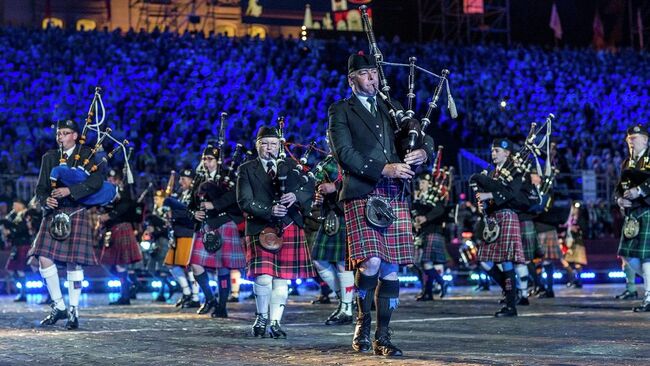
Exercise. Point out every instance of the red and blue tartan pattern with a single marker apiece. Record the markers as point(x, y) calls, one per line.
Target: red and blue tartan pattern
point(507, 247)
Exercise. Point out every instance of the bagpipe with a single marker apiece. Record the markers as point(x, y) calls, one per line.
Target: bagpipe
point(409, 130)
point(80, 171)
point(440, 182)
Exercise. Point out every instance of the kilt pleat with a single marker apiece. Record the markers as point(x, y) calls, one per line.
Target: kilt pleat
point(123, 248)
point(433, 248)
point(528, 239)
point(180, 255)
point(639, 246)
point(393, 244)
point(200, 256)
point(330, 248)
point(550, 244)
point(292, 261)
point(78, 248)
point(231, 255)
point(507, 247)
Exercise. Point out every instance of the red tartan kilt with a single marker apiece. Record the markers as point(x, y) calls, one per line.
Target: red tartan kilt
point(231, 255)
point(200, 256)
point(123, 248)
point(291, 262)
point(78, 248)
point(507, 247)
point(393, 244)
point(18, 261)
point(433, 249)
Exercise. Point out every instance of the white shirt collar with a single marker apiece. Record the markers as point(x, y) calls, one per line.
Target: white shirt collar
point(70, 151)
point(266, 162)
point(640, 154)
point(364, 101)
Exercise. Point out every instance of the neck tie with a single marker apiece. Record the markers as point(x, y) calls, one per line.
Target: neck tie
point(373, 106)
point(269, 169)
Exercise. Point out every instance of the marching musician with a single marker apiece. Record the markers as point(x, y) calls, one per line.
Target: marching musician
point(217, 210)
point(428, 220)
point(77, 249)
point(575, 257)
point(274, 197)
point(633, 196)
point(16, 231)
point(364, 144)
point(156, 232)
point(180, 246)
point(329, 249)
point(499, 257)
point(546, 224)
point(120, 247)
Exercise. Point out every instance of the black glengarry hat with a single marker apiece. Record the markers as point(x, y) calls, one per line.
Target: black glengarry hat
point(359, 61)
point(638, 129)
point(503, 143)
point(68, 124)
point(188, 173)
point(266, 131)
point(211, 151)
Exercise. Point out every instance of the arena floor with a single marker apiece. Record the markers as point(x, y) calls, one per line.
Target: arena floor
point(578, 327)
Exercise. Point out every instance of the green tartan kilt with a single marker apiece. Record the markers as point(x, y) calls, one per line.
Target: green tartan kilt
point(639, 246)
point(529, 239)
point(330, 248)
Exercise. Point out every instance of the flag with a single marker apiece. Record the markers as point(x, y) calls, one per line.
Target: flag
point(598, 31)
point(555, 24)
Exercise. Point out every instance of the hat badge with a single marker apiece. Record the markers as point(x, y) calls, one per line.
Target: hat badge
point(637, 129)
point(504, 144)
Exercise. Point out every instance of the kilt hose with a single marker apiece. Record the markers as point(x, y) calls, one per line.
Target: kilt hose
point(200, 256)
point(528, 239)
point(330, 248)
point(123, 248)
point(231, 255)
point(78, 248)
point(179, 255)
point(292, 261)
point(432, 248)
point(18, 258)
point(639, 246)
point(550, 244)
point(507, 247)
point(393, 244)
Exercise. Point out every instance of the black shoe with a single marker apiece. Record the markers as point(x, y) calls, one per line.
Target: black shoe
point(233, 299)
point(546, 295)
point(189, 304)
point(644, 307)
point(322, 299)
point(259, 327)
point(382, 345)
point(20, 298)
point(133, 292)
point(339, 317)
point(276, 332)
point(424, 296)
point(506, 311)
point(523, 301)
point(220, 312)
point(73, 319)
point(181, 300)
point(361, 339)
point(54, 316)
point(628, 295)
point(121, 301)
point(207, 307)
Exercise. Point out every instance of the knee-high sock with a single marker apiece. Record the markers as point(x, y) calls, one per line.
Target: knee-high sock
point(235, 277)
point(578, 269)
point(498, 276)
point(365, 286)
point(224, 289)
point(204, 283)
point(532, 274)
point(262, 289)
point(346, 284)
point(427, 278)
point(522, 279)
point(387, 301)
point(279, 295)
point(630, 277)
point(51, 277)
point(181, 278)
point(510, 288)
point(645, 268)
point(194, 285)
point(548, 268)
point(75, 281)
point(124, 283)
point(327, 273)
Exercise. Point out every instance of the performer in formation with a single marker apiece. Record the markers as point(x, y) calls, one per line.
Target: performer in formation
point(633, 192)
point(16, 230)
point(75, 250)
point(274, 196)
point(365, 146)
point(119, 247)
point(575, 257)
point(329, 250)
point(499, 255)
